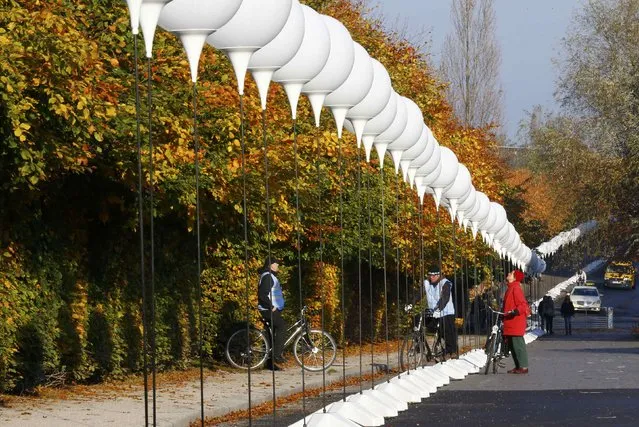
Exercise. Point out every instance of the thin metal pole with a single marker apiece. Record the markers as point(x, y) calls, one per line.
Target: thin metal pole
point(341, 252)
point(138, 140)
point(151, 202)
point(199, 250)
point(268, 246)
point(246, 254)
point(384, 270)
point(299, 251)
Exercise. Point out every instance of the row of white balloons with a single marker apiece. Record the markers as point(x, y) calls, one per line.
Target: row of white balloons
point(314, 54)
point(565, 237)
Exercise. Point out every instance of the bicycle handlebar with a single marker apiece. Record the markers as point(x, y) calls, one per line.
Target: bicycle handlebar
point(496, 311)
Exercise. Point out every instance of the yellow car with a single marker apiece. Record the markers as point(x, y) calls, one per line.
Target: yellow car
point(620, 274)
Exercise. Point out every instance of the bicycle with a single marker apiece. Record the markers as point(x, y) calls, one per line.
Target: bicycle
point(416, 347)
point(495, 343)
point(313, 349)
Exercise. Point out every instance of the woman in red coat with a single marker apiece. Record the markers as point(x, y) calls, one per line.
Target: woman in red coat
point(516, 309)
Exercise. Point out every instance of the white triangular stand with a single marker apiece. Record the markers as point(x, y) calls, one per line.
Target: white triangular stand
point(325, 419)
point(375, 405)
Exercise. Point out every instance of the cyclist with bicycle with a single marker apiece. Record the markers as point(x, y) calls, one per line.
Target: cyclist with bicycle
point(516, 311)
point(439, 296)
point(581, 277)
point(270, 300)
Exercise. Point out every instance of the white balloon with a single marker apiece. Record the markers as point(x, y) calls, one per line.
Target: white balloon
point(337, 68)
point(134, 14)
point(395, 129)
point(353, 90)
point(426, 161)
point(409, 137)
point(467, 206)
point(278, 51)
point(459, 189)
point(149, 13)
point(379, 123)
point(450, 165)
point(501, 220)
point(308, 60)
point(193, 21)
point(374, 101)
point(255, 24)
point(410, 154)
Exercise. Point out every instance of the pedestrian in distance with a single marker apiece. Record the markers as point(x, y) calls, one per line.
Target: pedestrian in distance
point(581, 277)
point(567, 311)
point(270, 300)
point(548, 313)
point(540, 316)
point(516, 310)
point(440, 299)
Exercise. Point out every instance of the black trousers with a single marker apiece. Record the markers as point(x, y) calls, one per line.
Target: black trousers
point(548, 320)
point(448, 330)
point(278, 329)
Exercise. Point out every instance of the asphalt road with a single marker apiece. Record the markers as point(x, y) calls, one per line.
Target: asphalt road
point(588, 378)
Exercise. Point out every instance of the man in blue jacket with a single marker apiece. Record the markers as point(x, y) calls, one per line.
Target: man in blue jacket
point(439, 294)
point(270, 300)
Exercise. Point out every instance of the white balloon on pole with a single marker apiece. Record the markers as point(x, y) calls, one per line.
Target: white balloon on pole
point(500, 222)
point(450, 165)
point(395, 130)
point(309, 59)
point(409, 137)
point(459, 189)
point(467, 205)
point(278, 51)
point(410, 154)
point(193, 21)
point(374, 101)
point(481, 213)
point(353, 90)
point(379, 123)
point(134, 14)
point(428, 169)
point(255, 24)
point(337, 68)
point(149, 14)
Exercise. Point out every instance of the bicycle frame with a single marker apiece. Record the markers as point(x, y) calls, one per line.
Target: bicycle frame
point(495, 342)
point(299, 327)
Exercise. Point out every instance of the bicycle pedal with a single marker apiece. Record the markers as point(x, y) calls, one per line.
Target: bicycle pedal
point(501, 364)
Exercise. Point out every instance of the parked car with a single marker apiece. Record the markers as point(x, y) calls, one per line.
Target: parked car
point(586, 298)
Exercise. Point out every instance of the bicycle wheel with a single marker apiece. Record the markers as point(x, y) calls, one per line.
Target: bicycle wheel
point(412, 352)
point(317, 349)
point(242, 353)
point(490, 353)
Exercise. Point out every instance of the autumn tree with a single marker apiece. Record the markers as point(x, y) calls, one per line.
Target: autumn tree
point(598, 86)
point(470, 62)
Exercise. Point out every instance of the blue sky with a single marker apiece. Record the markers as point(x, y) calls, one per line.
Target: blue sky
point(529, 33)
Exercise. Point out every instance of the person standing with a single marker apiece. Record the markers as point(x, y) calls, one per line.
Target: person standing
point(270, 300)
point(581, 277)
point(548, 313)
point(567, 311)
point(516, 311)
point(439, 295)
point(540, 314)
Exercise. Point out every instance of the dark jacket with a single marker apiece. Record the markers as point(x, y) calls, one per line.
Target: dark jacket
point(567, 308)
point(548, 307)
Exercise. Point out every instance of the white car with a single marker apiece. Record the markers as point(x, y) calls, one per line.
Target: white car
point(586, 298)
